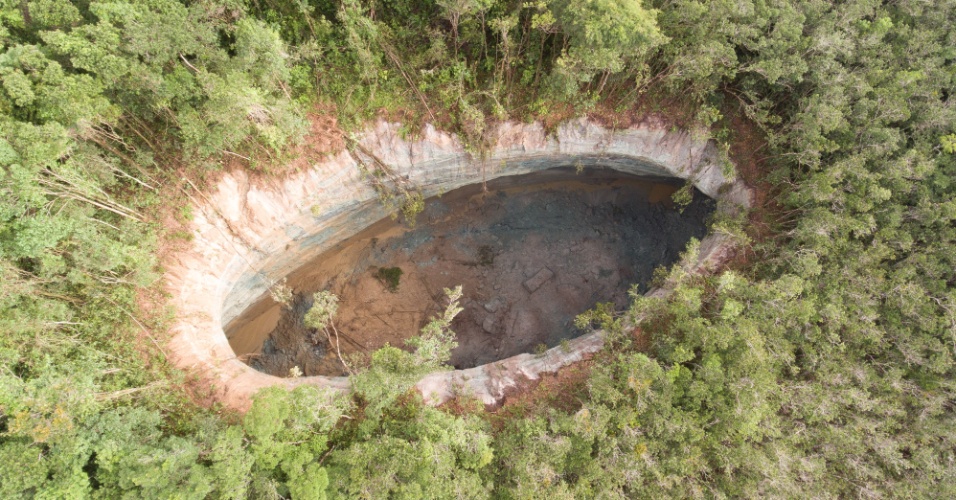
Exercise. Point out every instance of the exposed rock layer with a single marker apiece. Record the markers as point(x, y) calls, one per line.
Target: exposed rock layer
point(251, 234)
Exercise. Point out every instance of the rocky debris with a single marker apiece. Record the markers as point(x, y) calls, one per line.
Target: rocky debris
point(524, 321)
point(533, 266)
point(493, 306)
point(541, 277)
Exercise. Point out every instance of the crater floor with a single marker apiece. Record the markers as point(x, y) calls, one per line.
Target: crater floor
point(531, 252)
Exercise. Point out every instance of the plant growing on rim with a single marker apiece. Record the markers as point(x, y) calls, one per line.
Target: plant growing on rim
point(436, 341)
point(321, 317)
point(281, 293)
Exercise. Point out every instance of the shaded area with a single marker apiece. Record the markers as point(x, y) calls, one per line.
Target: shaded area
point(531, 252)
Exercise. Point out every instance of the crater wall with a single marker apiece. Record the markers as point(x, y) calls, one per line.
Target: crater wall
point(249, 234)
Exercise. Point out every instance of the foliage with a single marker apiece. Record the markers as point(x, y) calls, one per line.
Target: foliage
point(823, 366)
point(390, 277)
point(100, 102)
point(393, 371)
point(605, 35)
point(415, 451)
point(601, 315)
point(287, 437)
point(321, 316)
point(683, 196)
point(434, 345)
point(281, 293)
point(486, 255)
point(396, 192)
point(325, 305)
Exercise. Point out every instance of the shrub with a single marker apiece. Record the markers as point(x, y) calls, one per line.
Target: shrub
point(390, 277)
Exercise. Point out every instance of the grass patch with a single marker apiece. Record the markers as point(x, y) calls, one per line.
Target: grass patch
point(390, 277)
point(486, 256)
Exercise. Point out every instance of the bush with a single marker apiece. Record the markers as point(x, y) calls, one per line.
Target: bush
point(390, 277)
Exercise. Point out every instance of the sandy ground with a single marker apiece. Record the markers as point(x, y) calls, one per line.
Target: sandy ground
point(531, 253)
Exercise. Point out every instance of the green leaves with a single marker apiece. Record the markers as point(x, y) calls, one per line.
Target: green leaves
point(18, 88)
point(286, 438)
point(37, 89)
point(325, 304)
point(434, 345)
point(824, 368)
point(90, 94)
point(415, 452)
point(948, 143)
point(609, 31)
point(604, 36)
point(163, 61)
point(393, 371)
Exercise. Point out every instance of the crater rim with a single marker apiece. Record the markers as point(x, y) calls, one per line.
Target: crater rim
point(247, 234)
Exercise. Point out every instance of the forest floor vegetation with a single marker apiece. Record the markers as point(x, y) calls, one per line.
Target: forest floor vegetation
point(821, 364)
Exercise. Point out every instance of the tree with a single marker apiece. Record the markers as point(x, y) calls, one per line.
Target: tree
point(604, 35)
point(321, 316)
point(392, 371)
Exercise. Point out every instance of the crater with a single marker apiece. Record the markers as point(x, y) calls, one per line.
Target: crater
point(531, 251)
point(553, 243)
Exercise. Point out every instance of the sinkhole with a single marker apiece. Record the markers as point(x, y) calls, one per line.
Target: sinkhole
point(533, 242)
point(531, 252)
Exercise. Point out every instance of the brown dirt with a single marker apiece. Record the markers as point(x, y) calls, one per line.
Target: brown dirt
point(565, 390)
point(748, 151)
point(324, 138)
point(532, 252)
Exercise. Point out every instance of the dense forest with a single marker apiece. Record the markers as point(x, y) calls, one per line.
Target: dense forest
point(819, 364)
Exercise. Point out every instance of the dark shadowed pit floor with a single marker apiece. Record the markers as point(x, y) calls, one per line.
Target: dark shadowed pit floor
point(532, 252)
